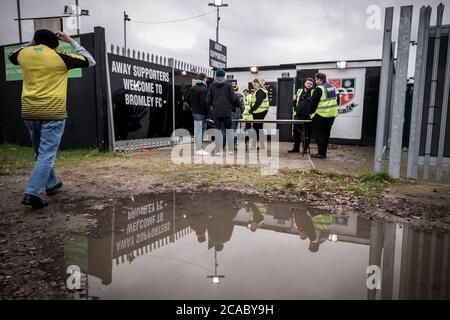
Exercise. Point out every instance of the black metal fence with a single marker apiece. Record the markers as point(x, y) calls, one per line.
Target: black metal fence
point(116, 109)
point(86, 102)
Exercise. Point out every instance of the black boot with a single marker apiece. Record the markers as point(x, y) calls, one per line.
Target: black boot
point(35, 202)
point(318, 156)
point(54, 190)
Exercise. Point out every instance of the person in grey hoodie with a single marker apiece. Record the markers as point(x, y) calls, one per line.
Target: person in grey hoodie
point(220, 99)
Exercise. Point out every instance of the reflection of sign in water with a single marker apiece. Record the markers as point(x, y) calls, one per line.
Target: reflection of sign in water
point(346, 93)
point(140, 94)
point(14, 73)
point(144, 225)
point(217, 55)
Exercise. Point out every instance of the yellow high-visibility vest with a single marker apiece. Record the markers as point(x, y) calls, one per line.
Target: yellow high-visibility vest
point(246, 115)
point(328, 106)
point(264, 104)
point(297, 99)
point(321, 222)
point(262, 210)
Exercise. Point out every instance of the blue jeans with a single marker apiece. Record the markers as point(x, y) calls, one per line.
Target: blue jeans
point(234, 126)
point(45, 138)
point(199, 130)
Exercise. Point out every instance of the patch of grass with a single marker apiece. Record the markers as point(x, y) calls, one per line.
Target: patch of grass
point(15, 158)
point(311, 173)
point(190, 174)
point(376, 177)
point(289, 184)
point(262, 183)
point(367, 186)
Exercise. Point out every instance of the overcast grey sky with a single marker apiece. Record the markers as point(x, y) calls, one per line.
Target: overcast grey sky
point(256, 32)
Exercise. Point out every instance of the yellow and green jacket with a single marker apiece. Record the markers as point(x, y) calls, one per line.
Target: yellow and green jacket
point(44, 88)
point(246, 115)
point(264, 104)
point(328, 105)
point(317, 224)
point(256, 212)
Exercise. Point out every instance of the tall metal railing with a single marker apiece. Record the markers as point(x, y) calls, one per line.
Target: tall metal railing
point(429, 140)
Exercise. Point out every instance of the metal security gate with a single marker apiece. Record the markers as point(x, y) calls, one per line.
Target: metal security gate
point(146, 98)
point(429, 140)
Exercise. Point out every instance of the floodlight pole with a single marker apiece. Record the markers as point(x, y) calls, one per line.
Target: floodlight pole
point(218, 16)
point(19, 21)
point(217, 27)
point(78, 16)
point(125, 19)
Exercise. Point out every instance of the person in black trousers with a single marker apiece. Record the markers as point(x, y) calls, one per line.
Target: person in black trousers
point(197, 101)
point(259, 106)
point(324, 109)
point(302, 103)
point(221, 99)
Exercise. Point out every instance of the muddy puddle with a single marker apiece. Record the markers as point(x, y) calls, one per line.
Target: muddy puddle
point(223, 246)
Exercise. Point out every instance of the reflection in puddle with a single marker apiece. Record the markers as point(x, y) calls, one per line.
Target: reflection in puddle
point(217, 246)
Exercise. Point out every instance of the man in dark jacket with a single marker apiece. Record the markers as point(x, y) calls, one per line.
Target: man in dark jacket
point(301, 112)
point(220, 227)
point(221, 99)
point(197, 101)
point(324, 109)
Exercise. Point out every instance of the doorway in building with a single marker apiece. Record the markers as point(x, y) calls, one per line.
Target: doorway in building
point(284, 107)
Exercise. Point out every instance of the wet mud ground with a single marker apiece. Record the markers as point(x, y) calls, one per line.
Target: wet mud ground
point(33, 260)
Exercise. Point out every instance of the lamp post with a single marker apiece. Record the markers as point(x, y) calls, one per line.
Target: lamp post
point(19, 21)
point(125, 19)
point(215, 277)
point(78, 17)
point(218, 4)
point(74, 10)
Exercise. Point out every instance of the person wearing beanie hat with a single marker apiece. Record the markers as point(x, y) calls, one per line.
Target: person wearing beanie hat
point(221, 99)
point(44, 96)
point(220, 73)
